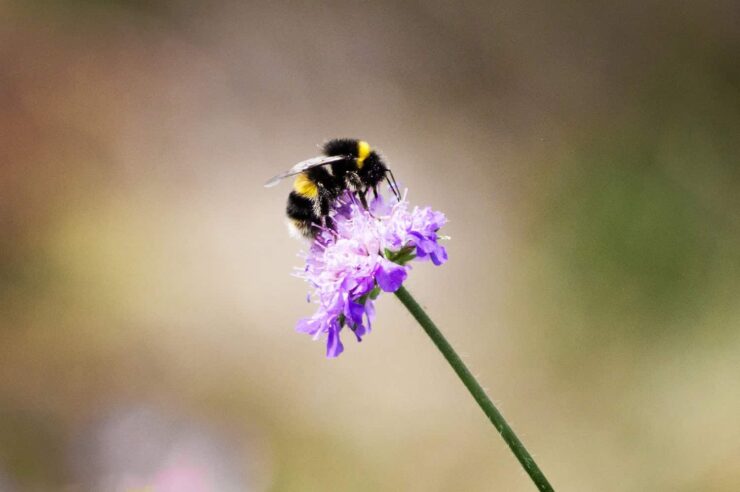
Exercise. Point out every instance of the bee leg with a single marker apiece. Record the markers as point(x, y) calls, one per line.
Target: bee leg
point(375, 191)
point(328, 222)
point(363, 200)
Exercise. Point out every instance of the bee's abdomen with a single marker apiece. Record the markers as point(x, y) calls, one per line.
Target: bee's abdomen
point(301, 212)
point(300, 207)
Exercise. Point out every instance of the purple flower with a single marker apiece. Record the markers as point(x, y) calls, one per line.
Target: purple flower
point(363, 253)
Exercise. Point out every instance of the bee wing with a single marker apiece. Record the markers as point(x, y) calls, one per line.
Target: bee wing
point(304, 166)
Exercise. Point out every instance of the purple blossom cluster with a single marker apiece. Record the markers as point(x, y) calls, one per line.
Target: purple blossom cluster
point(364, 252)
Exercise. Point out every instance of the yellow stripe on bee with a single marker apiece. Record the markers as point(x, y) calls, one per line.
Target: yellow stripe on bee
point(363, 150)
point(305, 187)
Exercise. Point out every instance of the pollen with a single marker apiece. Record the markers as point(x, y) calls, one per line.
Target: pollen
point(305, 187)
point(363, 150)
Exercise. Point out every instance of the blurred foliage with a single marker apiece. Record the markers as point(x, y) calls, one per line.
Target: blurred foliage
point(642, 219)
point(33, 449)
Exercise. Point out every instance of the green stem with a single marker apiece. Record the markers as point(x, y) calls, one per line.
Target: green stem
point(476, 390)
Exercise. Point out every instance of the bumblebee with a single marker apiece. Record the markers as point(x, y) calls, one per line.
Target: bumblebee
point(346, 164)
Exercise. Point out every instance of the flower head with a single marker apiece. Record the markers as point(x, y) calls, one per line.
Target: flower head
point(364, 252)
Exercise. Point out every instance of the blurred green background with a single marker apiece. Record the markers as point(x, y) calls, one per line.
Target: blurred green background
point(586, 154)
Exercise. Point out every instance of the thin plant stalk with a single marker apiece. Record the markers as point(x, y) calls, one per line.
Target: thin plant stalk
point(485, 403)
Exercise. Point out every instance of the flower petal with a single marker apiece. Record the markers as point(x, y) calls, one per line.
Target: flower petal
point(308, 325)
point(389, 275)
point(354, 312)
point(334, 345)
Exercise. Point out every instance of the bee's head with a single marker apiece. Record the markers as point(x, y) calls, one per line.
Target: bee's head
point(367, 163)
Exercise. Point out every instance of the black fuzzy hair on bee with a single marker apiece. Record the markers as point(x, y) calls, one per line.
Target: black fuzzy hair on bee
point(300, 211)
point(341, 146)
point(373, 172)
point(300, 208)
point(329, 187)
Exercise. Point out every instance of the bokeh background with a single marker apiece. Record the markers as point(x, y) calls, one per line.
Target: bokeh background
point(586, 154)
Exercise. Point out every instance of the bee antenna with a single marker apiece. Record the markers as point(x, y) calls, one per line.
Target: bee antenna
point(392, 183)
